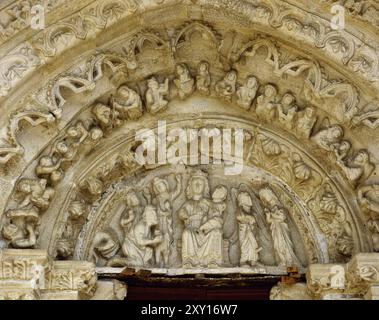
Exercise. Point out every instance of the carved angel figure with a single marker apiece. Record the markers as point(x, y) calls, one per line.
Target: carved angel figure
point(306, 120)
point(184, 82)
point(139, 242)
point(246, 224)
point(203, 78)
point(287, 111)
point(226, 87)
point(267, 103)
point(128, 103)
point(247, 93)
point(155, 95)
point(283, 246)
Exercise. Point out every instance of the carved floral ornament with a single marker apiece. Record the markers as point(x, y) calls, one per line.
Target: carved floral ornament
point(307, 194)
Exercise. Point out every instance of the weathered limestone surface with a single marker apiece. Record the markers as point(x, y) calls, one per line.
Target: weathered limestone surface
point(270, 78)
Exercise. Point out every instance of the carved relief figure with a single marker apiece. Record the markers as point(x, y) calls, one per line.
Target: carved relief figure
point(21, 222)
point(139, 243)
point(226, 87)
point(306, 120)
point(133, 211)
point(155, 94)
point(287, 111)
point(211, 245)
point(247, 93)
point(163, 202)
point(49, 170)
point(267, 103)
point(246, 225)
point(193, 213)
point(369, 197)
point(77, 133)
point(104, 246)
point(106, 118)
point(283, 246)
point(128, 103)
point(329, 137)
point(359, 168)
point(184, 82)
point(203, 78)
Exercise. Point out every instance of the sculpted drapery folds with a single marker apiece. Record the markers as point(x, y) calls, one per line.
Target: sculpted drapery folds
point(70, 184)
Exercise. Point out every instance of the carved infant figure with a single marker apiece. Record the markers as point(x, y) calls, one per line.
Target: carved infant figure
point(155, 94)
point(226, 87)
point(203, 78)
point(247, 93)
point(184, 82)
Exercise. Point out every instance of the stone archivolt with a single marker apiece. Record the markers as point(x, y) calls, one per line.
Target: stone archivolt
point(308, 192)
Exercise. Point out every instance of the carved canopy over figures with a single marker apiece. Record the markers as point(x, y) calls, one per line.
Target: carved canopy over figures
point(308, 192)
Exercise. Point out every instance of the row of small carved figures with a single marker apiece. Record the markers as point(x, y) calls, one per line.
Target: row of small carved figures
point(127, 103)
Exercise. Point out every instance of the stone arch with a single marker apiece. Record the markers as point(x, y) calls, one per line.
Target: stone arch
point(319, 149)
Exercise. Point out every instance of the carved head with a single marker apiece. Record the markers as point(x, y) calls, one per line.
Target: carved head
point(132, 199)
point(270, 91)
point(220, 194)
point(362, 157)
point(45, 161)
point(25, 186)
point(231, 76)
point(152, 83)
point(160, 185)
point(198, 186)
point(335, 132)
point(181, 69)
point(96, 134)
point(102, 113)
point(244, 201)
point(288, 99)
point(203, 67)
point(149, 216)
point(124, 92)
point(62, 147)
point(77, 209)
point(309, 112)
point(251, 82)
point(73, 132)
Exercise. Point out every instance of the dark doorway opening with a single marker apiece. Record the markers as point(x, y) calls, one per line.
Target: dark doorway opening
point(144, 286)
